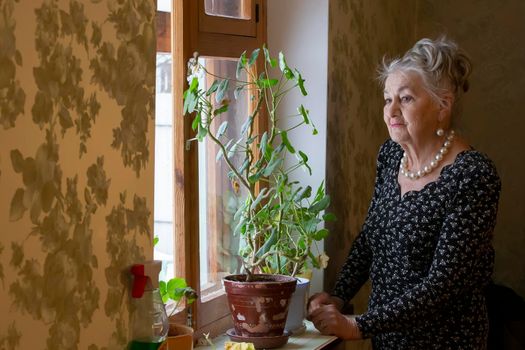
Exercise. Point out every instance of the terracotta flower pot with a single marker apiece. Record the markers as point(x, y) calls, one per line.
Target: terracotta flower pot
point(179, 338)
point(259, 308)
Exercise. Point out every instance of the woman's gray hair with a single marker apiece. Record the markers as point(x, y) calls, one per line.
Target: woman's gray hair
point(442, 65)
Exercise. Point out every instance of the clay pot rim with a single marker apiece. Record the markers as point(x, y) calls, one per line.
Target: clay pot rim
point(181, 329)
point(265, 279)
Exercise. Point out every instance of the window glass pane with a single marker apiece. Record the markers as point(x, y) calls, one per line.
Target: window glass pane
point(219, 198)
point(163, 206)
point(239, 9)
point(164, 5)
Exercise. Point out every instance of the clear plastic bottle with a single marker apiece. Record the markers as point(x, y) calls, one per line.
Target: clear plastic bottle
point(149, 322)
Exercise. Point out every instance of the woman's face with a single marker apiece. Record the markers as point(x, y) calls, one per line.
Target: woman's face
point(410, 113)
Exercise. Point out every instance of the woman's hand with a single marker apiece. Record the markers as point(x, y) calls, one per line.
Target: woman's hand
point(330, 321)
point(319, 299)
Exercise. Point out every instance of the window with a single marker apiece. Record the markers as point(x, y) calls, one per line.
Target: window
point(218, 199)
point(231, 9)
point(194, 200)
point(235, 17)
point(163, 206)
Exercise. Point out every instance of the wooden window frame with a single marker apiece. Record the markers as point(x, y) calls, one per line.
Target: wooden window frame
point(214, 24)
point(188, 37)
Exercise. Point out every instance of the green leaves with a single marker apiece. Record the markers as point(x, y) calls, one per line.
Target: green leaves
point(304, 161)
point(321, 234)
point(305, 113)
point(267, 83)
point(253, 58)
point(271, 61)
point(221, 90)
point(213, 87)
point(262, 194)
point(275, 163)
point(282, 62)
point(282, 222)
point(263, 145)
point(240, 88)
point(222, 129)
point(329, 217)
point(221, 109)
point(322, 204)
point(247, 125)
point(191, 97)
point(300, 83)
point(201, 132)
point(233, 149)
point(303, 193)
point(176, 289)
point(287, 72)
point(194, 84)
point(241, 63)
point(286, 142)
point(196, 122)
point(268, 244)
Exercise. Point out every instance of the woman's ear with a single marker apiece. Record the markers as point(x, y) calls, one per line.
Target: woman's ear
point(445, 108)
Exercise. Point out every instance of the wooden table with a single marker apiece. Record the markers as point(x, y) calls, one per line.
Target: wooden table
point(311, 339)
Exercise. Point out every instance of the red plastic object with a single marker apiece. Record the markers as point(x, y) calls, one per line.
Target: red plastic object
point(139, 281)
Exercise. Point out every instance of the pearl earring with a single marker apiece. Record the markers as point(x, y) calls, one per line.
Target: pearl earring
point(440, 132)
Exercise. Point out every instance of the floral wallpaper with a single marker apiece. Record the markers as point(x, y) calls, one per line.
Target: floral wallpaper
point(76, 176)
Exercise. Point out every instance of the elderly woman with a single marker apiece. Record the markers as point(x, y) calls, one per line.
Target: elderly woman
point(426, 242)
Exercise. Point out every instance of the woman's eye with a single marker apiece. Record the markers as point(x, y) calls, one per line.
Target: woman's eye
point(388, 101)
point(405, 99)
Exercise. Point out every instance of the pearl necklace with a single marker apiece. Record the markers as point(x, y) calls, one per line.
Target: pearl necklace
point(403, 167)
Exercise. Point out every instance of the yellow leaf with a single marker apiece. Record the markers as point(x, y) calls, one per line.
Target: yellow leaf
point(323, 260)
point(230, 345)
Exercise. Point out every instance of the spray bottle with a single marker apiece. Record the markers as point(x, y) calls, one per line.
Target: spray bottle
point(149, 322)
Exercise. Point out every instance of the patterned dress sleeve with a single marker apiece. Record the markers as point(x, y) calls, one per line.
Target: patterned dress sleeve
point(462, 259)
point(355, 271)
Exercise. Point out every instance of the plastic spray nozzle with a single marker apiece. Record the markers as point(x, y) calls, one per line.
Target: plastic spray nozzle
point(146, 277)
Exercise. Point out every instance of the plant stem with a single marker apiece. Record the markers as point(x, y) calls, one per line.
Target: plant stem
point(223, 78)
point(284, 92)
point(262, 259)
point(279, 228)
point(228, 162)
point(294, 127)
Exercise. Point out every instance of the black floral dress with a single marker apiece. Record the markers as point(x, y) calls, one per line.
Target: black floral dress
point(428, 254)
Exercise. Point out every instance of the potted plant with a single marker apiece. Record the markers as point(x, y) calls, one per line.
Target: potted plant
point(176, 289)
point(279, 219)
point(302, 228)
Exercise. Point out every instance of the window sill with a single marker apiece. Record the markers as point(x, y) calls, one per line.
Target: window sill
point(310, 339)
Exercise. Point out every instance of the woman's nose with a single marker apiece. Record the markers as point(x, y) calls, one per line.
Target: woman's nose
point(392, 109)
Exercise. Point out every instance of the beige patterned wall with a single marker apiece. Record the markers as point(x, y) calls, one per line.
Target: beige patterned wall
point(76, 168)
point(493, 33)
point(360, 33)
